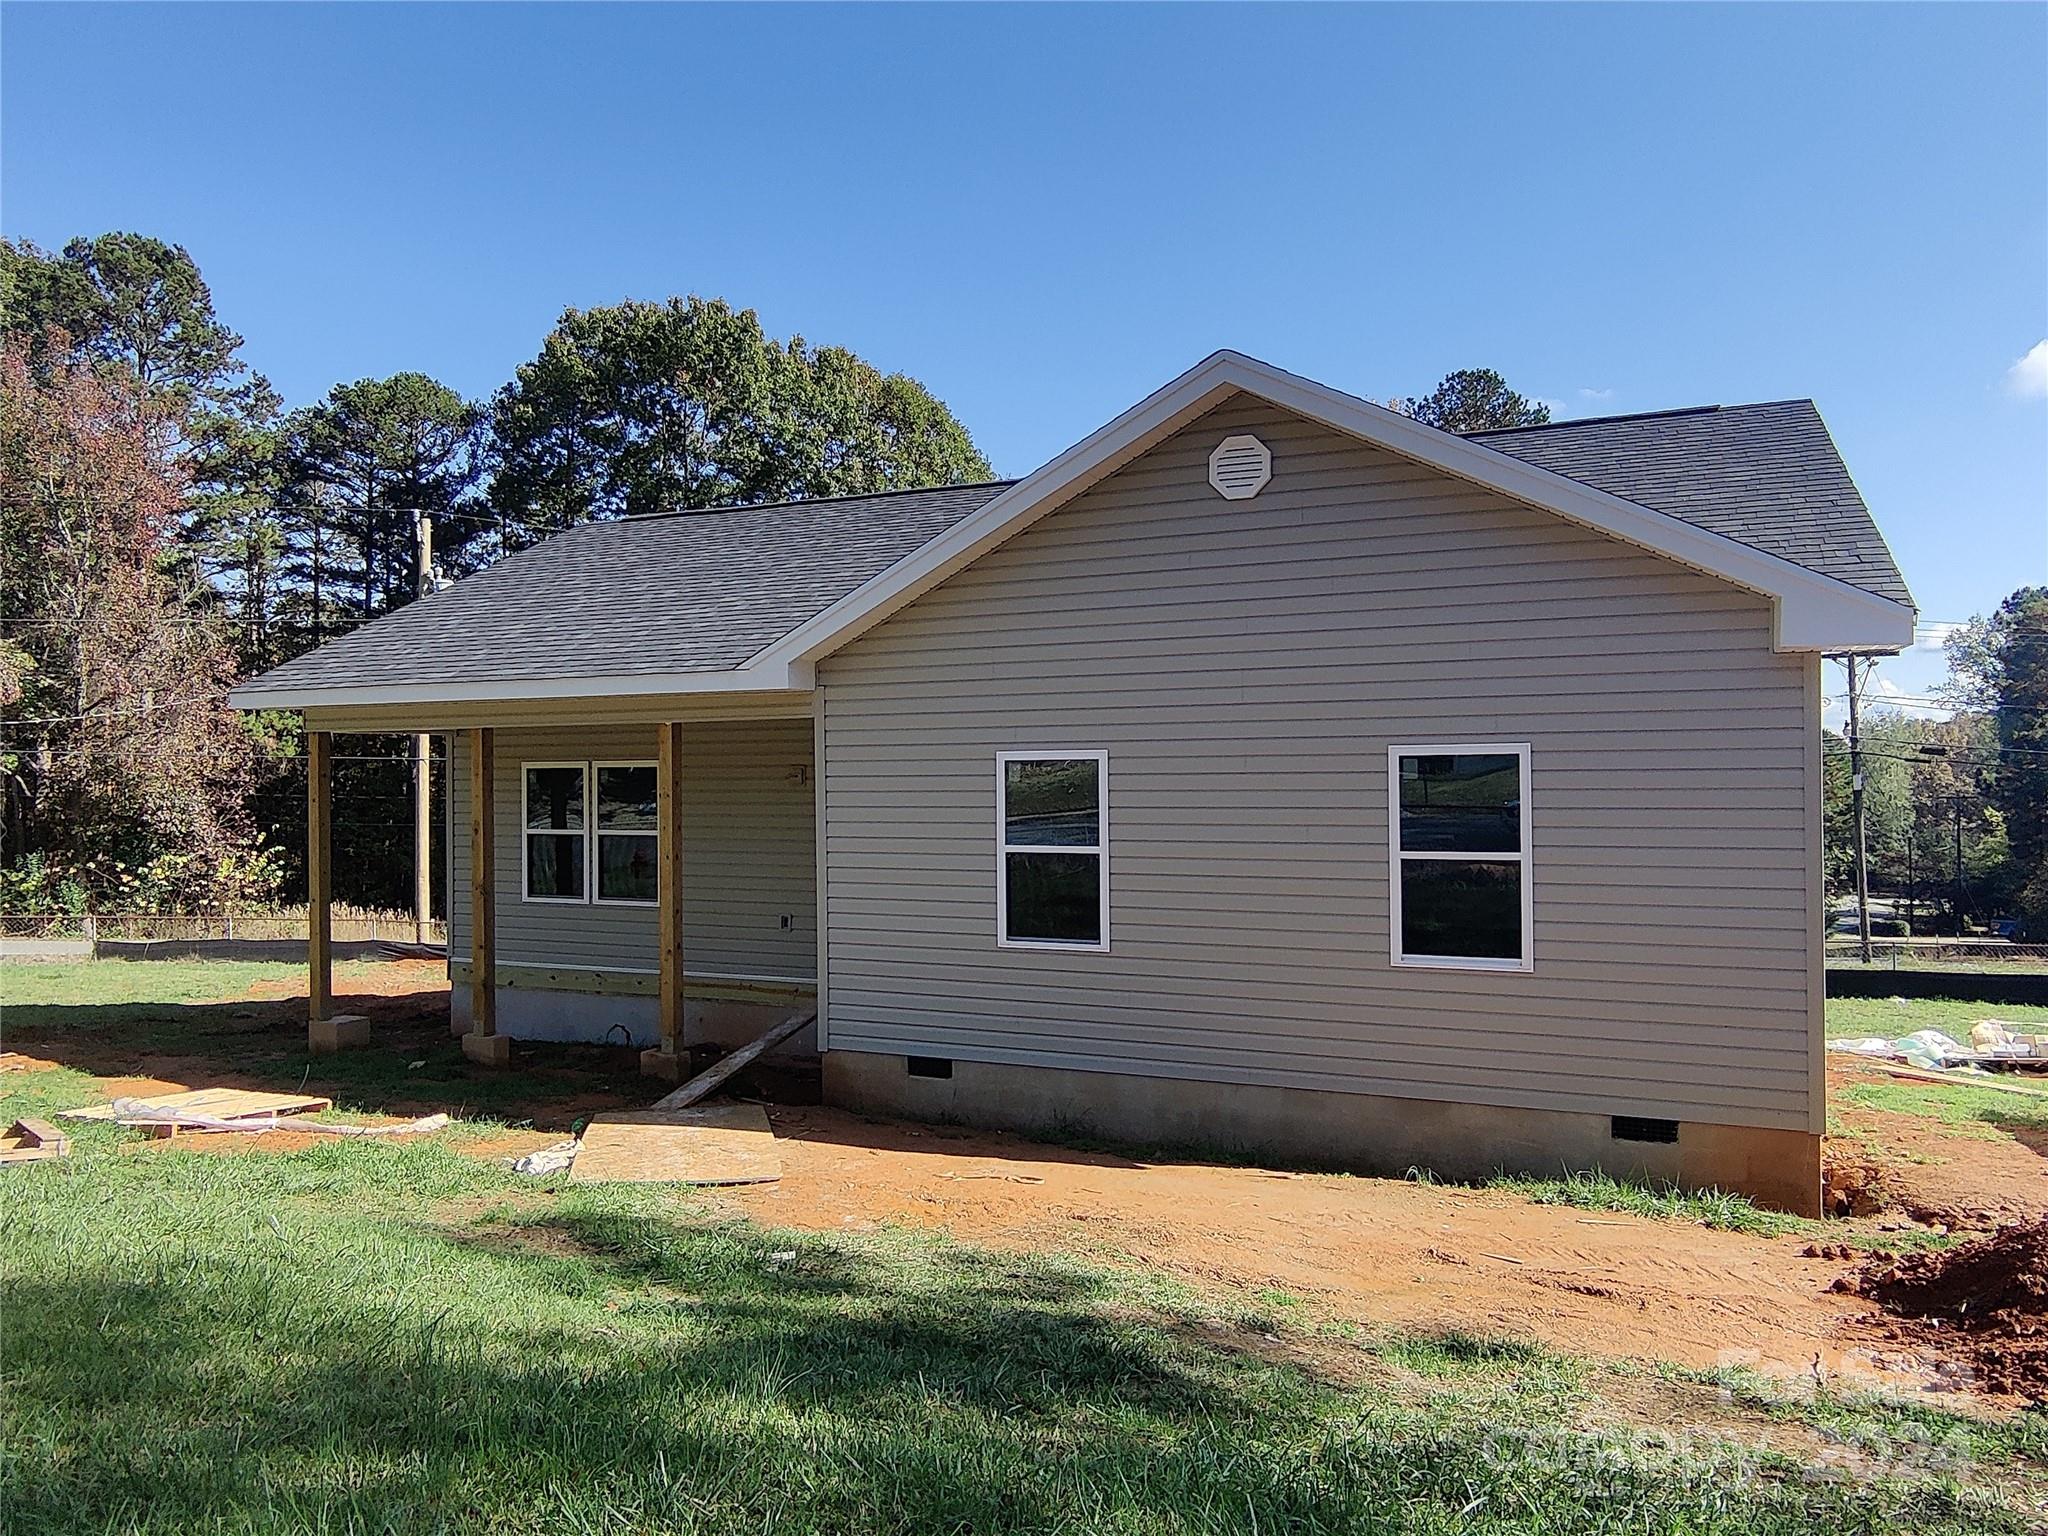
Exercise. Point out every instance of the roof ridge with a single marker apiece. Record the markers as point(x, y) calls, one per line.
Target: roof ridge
point(801, 501)
point(1597, 421)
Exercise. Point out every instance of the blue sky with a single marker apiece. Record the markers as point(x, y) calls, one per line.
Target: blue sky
point(1046, 212)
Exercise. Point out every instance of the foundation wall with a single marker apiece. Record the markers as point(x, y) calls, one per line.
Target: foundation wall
point(526, 1013)
point(1359, 1133)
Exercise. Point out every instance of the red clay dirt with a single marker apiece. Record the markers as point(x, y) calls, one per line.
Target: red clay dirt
point(1933, 1172)
point(1373, 1250)
point(1990, 1295)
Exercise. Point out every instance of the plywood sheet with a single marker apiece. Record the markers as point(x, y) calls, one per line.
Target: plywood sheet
point(720, 1144)
point(220, 1103)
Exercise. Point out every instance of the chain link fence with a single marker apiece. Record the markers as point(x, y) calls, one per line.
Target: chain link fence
point(349, 925)
point(1992, 955)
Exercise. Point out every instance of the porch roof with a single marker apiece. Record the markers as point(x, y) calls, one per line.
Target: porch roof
point(616, 607)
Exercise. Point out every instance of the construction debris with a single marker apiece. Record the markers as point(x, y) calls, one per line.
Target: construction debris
point(718, 1144)
point(158, 1119)
point(30, 1141)
point(160, 1113)
point(546, 1160)
point(698, 1086)
point(237, 1109)
point(1993, 1044)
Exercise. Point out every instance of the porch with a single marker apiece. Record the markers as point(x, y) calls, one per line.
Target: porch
point(631, 879)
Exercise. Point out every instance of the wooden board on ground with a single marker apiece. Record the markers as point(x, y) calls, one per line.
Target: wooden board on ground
point(30, 1141)
point(216, 1103)
point(718, 1144)
point(715, 1074)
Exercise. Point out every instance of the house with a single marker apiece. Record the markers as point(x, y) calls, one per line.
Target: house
point(1267, 771)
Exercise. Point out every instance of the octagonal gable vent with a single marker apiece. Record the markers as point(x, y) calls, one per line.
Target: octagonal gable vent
point(1240, 467)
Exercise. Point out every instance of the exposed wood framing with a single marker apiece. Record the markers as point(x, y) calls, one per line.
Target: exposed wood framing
point(669, 824)
point(483, 885)
point(598, 982)
point(319, 877)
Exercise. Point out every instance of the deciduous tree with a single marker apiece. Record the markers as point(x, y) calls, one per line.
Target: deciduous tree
point(124, 770)
point(641, 407)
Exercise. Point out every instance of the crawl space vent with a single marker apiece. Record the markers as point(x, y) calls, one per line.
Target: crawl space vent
point(1240, 467)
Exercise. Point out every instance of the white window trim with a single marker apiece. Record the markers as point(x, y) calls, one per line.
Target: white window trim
point(1004, 847)
point(526, 831)
point(1395, 858)
point(596, 832)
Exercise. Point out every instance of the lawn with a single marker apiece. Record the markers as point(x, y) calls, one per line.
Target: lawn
point(1891, 1017)
point(362, 1337)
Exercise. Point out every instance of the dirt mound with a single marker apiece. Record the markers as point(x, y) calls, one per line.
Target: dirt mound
point(1991, 1295)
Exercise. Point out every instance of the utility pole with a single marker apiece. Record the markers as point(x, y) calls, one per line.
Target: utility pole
point(1856, 808)
point(423, 767)
point(1957, 806)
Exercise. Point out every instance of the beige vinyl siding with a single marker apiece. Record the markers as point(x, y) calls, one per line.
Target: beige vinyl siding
point(749, 852)
point(1246, 665)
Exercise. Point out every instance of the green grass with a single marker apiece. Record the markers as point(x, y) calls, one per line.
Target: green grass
point(1853, 1017)
point(360, 1338)
point(366, 1337)
point(124, 1017)
point(146, 984)
point(1603, 1192)
point(1969, 1107)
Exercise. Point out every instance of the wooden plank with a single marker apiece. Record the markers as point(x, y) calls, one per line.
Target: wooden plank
point(319, 876)
point(483, 908)
point(668, 798)
point(723, 1068)
point(222, 1103)
point(30, 1141)
point(1949, 1079)
point(717, 1144)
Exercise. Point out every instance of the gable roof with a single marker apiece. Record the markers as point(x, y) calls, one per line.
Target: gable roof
point(1767, 475)
point(747, 598)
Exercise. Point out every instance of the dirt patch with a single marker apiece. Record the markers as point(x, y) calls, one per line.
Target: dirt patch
point(1381, 1252)
point(381, 978)
point(1987, 1300)
point(1923, 1168)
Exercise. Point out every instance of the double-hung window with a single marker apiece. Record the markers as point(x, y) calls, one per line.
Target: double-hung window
point(628, 839)
point(1052, 850)
point(1459, 892)
point(553, 825)
point(590, 832)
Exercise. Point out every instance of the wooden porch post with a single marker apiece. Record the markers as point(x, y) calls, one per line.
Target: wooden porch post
point(665, 1060)
point(326, 1031)
point(483, 1043)
point(319, 880)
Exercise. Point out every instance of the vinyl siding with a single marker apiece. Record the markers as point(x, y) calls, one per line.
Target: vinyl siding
point(1247, 665)
point(749, 852)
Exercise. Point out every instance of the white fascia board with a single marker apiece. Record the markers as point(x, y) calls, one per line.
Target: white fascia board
point(1812, 612)
point(748, 679)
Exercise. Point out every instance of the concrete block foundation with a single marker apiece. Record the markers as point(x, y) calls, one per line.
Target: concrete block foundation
point(1357, 1133)
point(342, 1032)
point(488, 1050)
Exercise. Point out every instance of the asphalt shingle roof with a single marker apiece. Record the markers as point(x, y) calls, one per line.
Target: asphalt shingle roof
point(704, 591)
point(1765, 475)
point(688, 592)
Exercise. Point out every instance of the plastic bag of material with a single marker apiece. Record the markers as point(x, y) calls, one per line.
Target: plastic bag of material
point(1928, 1048)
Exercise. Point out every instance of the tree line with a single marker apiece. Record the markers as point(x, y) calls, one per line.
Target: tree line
point(169, 527)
